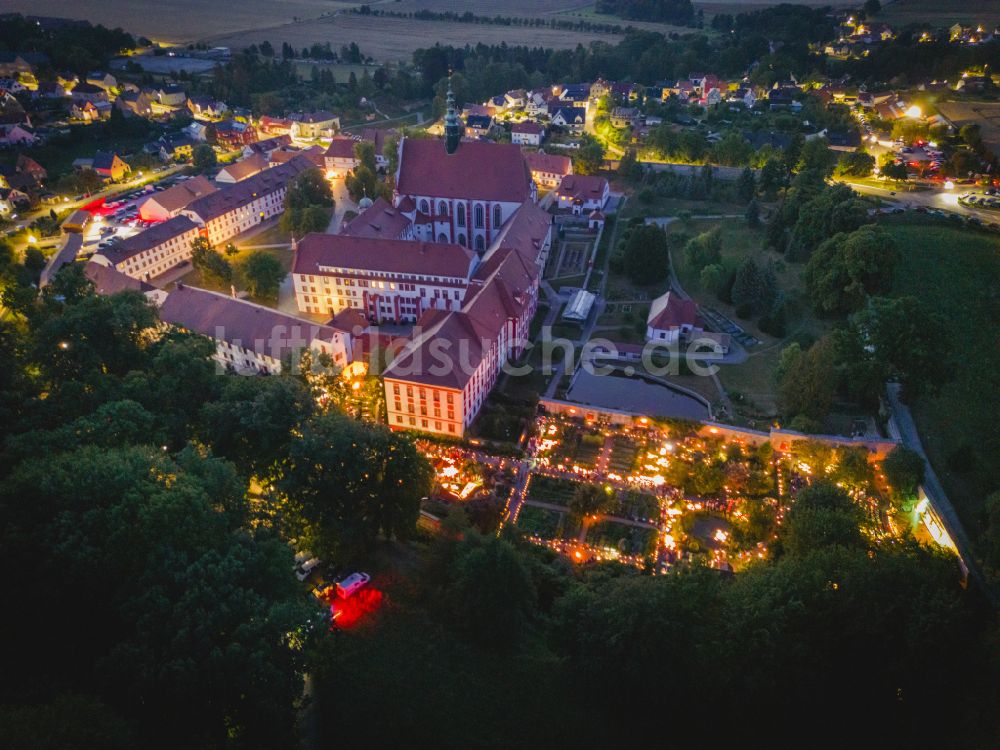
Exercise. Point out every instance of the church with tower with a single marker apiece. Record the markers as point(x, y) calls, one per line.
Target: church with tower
point(460, 191)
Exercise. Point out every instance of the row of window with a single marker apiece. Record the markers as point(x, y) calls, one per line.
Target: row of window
point(478, 213)
point(424, 425)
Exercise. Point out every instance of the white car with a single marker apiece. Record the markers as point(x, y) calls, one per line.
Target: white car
point(350, 585)
point(302, 571)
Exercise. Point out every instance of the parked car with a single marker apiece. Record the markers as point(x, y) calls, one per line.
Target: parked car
point(303, 570)
point(352, 584)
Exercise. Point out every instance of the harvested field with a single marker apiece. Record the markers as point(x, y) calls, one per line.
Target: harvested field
point(392, 39)
point(941, 13)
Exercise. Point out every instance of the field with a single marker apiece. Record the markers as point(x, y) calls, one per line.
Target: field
point(940, 13)
point(957, 273)
point(394, 39)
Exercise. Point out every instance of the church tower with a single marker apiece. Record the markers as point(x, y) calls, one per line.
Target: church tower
point(452, 125)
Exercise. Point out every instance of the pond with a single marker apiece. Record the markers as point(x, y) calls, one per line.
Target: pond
point(618, 391)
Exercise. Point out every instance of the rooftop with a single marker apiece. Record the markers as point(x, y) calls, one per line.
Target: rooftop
point(478, 170)
point(381, 255)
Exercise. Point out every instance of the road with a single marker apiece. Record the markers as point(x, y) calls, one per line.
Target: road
point(907, 428)
point(937, 199)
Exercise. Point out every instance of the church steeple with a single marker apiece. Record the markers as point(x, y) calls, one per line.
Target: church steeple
point(452, 125)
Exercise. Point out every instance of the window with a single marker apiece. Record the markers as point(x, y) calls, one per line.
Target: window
point(497, 216)
point(424, 207)
point(442, 208)
point(480, 242)
point(461, 215)
point(461, 239)
point(480, 217)
point(442, 237)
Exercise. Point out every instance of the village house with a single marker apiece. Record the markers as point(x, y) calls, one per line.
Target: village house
point(583, 193)
point(267, 145)
point(16, 135)
point(573, 119)
point(527, 133)
point(272, 126)
point(625, 117)
point(109, 165)
point(313, 125)
point(176, 147)
point(548, 170)
point(207, 108)
point(478, 126)
point(106, 81)
point(251, 338)
point(171, 96)
point(232, 134)
point(138, 103)
point(378, 137)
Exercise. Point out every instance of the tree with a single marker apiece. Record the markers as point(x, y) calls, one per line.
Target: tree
point(210, 262)
point(816, 156)
point(364, 152)
point(704, 249)
point(713, 278)
point(896, 339)
point(263, 273)
point(203, 158)
point(589, 158)
point(895, 171)
point(855, 164)
point(307, 204)
point(755, 288)
point(346, 482)
point(732, 151)
point(807, 380)
point(904, 470)
point(848, 267)
point(490, 594)
point(646, 256)
point(362, 181)
point(753, 214)
point(591, 500)
point(746, 186)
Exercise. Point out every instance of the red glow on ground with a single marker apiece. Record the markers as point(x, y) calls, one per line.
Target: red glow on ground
point(98, 207)
point(347, 612)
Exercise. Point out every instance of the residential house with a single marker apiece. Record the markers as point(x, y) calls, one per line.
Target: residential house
point(207, 108)
point(515, 99)
point(583, 193)
point(527, 133)
point(84, 92)
point(171, 96)
point(176, 147)
point(87, 111)
point(573, 119)
point(231, 134)
point(313, 125)
point(110, 166)
point(478, 126)
point(267, 145)
point(548, 170)
point(106, 81)
point(378, 137)
point(138, 103)
point(251, 338)
point(315, 154)
point(624, 117)
point(272, 126)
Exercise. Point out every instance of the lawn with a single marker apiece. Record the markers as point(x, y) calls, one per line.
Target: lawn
point(284, 256)
point(957, 273)
point(547, 523)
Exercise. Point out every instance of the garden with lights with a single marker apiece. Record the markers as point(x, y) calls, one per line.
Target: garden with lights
point(654, 494)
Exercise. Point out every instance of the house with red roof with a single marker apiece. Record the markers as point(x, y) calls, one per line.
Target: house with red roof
point(463, 197)
point(339, 156)
point(583, 193)
point(672, 319)
point(548, 170)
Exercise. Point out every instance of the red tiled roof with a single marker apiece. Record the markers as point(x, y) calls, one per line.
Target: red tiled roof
point(478, 170)
point(261, 329)
point(528, 126)
point(549, 163)
point(378, 220)
point(107, 280)
point(313, 154)
point(378, 255)
point(674, 312)
point(148, 239)
point(182, 194)
point(246, 191)
point(341, 147)
point(583, 187)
